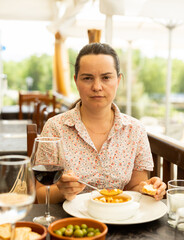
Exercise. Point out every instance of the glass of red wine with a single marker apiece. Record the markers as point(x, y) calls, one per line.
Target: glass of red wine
point(48, 166)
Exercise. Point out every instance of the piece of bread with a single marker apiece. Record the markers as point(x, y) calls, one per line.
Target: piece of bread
point(22, 233)
point(5, 231)
point(34, 236)
point(148, 189)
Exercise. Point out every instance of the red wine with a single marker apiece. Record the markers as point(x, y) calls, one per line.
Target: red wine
point(47, 174)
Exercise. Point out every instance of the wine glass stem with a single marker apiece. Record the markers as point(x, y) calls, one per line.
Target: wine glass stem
point(47, 212)
point(12, 231)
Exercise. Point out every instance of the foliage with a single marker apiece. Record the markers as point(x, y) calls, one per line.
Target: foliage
point(39, 68)
point(152, 74)
point(15, 76)
point(178, 76)
point(148, 78)
point(72, 57)
point(7, 101)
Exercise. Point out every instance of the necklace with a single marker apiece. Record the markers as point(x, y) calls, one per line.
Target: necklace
point(102, 133)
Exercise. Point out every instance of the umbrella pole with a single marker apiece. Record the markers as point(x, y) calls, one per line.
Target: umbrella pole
point(1, 80)
point(108, 29)
point(129, 80)
point(168, 81)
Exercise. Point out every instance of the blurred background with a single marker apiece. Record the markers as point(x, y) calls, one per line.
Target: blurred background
point(39, 42)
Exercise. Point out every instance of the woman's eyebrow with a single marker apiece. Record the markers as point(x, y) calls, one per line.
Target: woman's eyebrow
point(106, 73)
point(86, 74)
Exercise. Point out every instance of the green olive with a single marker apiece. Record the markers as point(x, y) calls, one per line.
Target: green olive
point(91, 229)
point(62, 229)
point(90, 234)
point(69, 226)
point(84, 232)
point(58, 232)
point(68, 232)
point(84, 226)
point(97, 233)
point(76, 227)
point(97, 230)
point(78, 233)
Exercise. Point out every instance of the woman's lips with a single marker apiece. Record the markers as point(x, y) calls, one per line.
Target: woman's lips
point(97, 97)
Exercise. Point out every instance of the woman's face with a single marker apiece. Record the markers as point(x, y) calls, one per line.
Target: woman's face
point(97, 80)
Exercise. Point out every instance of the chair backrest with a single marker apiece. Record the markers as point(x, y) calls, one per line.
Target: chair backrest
point(44, 116)
point(33, 131)
point(31, 97)
point(38, 115)
point(31, 135)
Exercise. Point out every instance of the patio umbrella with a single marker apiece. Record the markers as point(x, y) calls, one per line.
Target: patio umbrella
point(168, 13)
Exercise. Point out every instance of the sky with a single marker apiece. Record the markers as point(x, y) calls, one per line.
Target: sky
point(24, 38)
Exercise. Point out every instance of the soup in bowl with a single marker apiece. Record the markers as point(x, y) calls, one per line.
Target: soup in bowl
point(120, 207)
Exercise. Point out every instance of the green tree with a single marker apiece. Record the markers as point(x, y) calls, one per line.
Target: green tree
point(72, 57)
point(177, 76)
point(15, 75)
point(40, 69)
point(152, 74)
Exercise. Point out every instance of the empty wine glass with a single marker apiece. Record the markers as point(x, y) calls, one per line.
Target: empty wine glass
point(48, 167)
point(17, 189)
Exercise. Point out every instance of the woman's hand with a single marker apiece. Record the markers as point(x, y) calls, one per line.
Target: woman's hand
point(157, 184)
point(69, 186)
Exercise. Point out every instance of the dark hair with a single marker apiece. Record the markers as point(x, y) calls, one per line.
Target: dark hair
point(97, 48)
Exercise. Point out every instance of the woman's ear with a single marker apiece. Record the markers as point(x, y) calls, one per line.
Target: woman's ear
point(120, 77)
point(75, 78)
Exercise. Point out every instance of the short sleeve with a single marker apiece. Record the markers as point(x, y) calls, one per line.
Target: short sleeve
point(143, 159)
point(50, 129)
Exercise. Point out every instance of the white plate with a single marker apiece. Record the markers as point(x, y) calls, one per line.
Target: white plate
point(149, 210)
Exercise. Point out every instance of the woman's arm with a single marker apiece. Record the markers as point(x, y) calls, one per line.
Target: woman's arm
point(140, 178)
point(66, 188)
point(137, 177)
point(55, 195)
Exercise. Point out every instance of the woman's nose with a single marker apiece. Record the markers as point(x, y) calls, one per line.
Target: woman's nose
point(97, 86)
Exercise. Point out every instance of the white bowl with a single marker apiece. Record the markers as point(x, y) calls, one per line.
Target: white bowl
point(112, 211)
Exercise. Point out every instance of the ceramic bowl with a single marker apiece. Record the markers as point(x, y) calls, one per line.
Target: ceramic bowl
point(112, 211)
point(38, 228)
point(77, 221)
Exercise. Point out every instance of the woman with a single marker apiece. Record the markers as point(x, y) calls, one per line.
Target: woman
point(102, 146)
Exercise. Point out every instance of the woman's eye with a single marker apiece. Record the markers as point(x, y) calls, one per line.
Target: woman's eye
point(87, 78)
point(106, 77)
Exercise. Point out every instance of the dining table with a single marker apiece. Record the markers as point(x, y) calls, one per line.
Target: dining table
point(13, 137)
point(154, 230)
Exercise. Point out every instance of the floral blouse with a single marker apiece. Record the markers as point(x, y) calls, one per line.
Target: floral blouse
point(126, 148)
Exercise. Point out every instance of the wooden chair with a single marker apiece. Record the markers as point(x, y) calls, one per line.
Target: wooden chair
point(32, 129)
point(44, 116)
point(31, 97)
point(31, 135)
point(40, 120)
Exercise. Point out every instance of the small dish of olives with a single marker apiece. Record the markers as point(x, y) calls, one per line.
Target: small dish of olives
point(74, 228)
